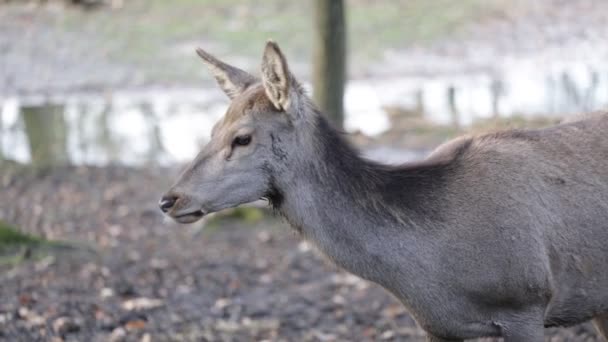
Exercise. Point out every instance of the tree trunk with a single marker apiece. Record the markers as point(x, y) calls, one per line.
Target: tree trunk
point(496, 88)
point(329, 59)
point(1, 131)
point(46, 132)
point(454, 114)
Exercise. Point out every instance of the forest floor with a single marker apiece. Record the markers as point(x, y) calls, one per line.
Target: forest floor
point(132, 276)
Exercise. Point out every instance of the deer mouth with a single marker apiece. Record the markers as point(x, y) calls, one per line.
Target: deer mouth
point(190, 217)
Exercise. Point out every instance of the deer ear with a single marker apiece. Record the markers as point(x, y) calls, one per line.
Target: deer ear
point(276, 77)
point(233, 81)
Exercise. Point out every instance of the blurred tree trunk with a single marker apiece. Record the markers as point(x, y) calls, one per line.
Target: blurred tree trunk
point(454, 114)
point(156, 149)
point(329, 58)
point(46, 133)
point(105, 137)
point(1, 133)
point(496, 89)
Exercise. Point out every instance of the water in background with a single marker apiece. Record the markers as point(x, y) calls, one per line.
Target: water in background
point(166, 126)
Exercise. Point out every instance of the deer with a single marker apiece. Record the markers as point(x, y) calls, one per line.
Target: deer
point(492, 235)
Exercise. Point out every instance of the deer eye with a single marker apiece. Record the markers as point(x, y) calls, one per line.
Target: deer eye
point(242, 140)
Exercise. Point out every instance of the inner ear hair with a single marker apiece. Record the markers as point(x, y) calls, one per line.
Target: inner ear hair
point(276, 77)
point(232, 80)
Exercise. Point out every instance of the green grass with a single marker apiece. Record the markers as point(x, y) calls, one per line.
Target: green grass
point(239, 217)
point(10, 236)
point(159, 36)
point(398, 24)
point(16, 247)
point(246, 215)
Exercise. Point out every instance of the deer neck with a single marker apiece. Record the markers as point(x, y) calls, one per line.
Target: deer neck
point(353, 209)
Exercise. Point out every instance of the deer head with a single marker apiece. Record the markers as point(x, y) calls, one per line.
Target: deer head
point(249, 147)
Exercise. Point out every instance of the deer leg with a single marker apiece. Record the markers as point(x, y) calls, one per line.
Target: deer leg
point(601, 324)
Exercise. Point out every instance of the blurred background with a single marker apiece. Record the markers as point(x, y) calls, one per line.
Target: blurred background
point(103, 101)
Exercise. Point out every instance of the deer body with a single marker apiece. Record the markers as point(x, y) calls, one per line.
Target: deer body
point(497, 223)
point(495, 235)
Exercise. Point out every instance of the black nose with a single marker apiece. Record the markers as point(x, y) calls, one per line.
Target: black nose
point(167, 202)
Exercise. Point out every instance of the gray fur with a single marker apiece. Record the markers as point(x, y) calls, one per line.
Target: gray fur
point(492, 235)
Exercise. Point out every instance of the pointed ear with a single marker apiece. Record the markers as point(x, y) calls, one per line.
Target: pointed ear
point(233, 81)
point(276, 78)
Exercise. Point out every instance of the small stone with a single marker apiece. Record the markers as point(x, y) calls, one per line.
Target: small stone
point(4, 318)
point(393, 310)
point(142, 303)
point(387, 335)
point(264, 237)
point(123, 211)
point(22, 312)
point(65, 325)
point(106, 292)
point(304, 247)
point(159, 263)
point(118, 335)
point(338, 299)
point(221, 303)
point(34, 319)
point(183, 289)
point(266, 278)
point(322, 336)
point(115, 230)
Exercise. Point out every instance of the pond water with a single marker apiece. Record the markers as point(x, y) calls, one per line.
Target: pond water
point(165, 126)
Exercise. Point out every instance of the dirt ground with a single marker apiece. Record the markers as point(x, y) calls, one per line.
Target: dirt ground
point(151, 280)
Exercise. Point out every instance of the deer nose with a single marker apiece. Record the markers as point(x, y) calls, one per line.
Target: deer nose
point(167, 202)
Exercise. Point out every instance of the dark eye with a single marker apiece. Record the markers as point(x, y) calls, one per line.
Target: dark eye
point(242, 140)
